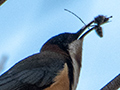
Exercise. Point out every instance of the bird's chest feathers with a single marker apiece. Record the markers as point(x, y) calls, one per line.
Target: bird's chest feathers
point(75, 51)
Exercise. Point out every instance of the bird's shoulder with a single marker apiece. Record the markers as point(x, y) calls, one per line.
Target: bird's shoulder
point(39, 69)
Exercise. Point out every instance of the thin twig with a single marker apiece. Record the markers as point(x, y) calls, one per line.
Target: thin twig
point(75, 15)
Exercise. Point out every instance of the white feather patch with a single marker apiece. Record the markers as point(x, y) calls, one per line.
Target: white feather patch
point(75, 51)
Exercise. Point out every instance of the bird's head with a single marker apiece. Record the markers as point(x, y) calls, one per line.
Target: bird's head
point(61, 41)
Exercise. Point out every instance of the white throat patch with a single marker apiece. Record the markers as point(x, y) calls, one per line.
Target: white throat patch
point(75, 51)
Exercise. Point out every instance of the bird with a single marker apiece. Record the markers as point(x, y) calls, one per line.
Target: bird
point(56, 67)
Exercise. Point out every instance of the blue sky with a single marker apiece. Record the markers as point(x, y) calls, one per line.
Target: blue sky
point(25, 25)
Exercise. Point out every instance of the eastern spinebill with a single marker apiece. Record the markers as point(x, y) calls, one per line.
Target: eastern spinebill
point(57, 65)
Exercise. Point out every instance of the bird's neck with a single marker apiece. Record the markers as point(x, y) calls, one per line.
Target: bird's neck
point(53, 48)
point(75, 51)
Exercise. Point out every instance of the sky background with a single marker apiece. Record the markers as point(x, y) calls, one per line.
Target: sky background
point(25, 25)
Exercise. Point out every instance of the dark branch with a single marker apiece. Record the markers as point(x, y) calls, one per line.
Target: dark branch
point(113, 84)
point(2, 1)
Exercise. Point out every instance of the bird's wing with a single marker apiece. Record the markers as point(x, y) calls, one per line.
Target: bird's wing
point(36, 71)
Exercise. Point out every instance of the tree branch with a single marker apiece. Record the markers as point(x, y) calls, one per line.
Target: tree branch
point(113, 84)
point(2, 1)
